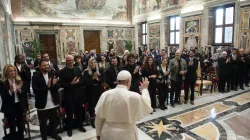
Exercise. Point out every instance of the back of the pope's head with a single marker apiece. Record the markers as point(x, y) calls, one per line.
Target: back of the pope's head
point(124, 78)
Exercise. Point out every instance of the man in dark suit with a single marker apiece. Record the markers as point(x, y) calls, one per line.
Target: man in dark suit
point(70, 79)
point(223, 63)
point(190, 76)
point(45, 87)
point(160, 57)
point(243, 67)
point(110, 76)
point(38, 58)
point(24, 73)
point(234, 69)
point(53, 67)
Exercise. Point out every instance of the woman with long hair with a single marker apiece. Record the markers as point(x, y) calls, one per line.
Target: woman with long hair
point(94, 77)
point(103, 64)
point(14, 101)
point(162, 82)
point(149, 71)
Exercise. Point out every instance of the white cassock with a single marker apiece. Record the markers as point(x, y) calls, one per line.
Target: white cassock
point(117, 112)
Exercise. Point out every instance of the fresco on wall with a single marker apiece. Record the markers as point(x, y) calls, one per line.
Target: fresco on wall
point(85, 9)
point(146, 6)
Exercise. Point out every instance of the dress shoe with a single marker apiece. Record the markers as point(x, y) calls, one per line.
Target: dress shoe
point(247, 85)
point(173, 105)
point(44, 138)
point(154, 110)
point(185, 102)
point(162, 108)
point(69, 133)
point(165, 107)
point(235, 90)
point(82, 129)
point(192, 102)
point(179, 103)
point(56, 137)
point(92, 122)
point(242, 88)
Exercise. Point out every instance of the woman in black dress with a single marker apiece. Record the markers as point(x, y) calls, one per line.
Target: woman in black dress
point(14, 101)
point(162, 83)
point(94, 77)
point(149, 71)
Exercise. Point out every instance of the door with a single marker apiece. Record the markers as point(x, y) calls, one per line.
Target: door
point(49, 46)
point(92, 41)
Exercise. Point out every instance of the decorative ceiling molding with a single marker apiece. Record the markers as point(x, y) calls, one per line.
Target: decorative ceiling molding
point(215, 3)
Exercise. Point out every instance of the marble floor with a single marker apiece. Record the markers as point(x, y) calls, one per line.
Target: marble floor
point(214, 116)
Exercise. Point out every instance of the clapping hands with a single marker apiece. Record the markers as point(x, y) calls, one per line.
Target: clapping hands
point(75, 81)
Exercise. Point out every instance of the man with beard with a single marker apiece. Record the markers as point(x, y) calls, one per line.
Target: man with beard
point(45, 87)
point(178, 69)
point(53, 67)
point(110, 76)
point(24, 73)
point(223, 63)
point(134, 71)
point(70, 80)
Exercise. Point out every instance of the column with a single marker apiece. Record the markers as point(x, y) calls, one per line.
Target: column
point(236, 24)
point(162, 34)
point(181, 34)
point(10, 43)
point(2, 55)
point(205, 24)
point(136, 38)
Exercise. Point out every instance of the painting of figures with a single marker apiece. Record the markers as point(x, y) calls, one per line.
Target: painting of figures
point(146, 6)
point(83, 9)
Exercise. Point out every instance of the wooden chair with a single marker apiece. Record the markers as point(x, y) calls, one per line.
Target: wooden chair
point(201, 82)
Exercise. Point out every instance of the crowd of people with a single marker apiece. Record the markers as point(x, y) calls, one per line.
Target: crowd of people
point(88, 75)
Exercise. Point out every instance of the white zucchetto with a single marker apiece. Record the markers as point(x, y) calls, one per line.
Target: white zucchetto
point(123, 75)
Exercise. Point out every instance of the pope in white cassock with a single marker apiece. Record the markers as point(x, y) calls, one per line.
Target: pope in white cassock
point(118, 110)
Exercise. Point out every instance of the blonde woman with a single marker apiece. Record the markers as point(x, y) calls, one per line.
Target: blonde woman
point(94, 78)
point(14, 102)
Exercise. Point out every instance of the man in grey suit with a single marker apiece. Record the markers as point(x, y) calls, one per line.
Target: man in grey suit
point(178, 69)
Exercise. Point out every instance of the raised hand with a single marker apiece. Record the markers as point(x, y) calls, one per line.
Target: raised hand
point(74, 81)
point(145, 83)
point(19, 86)
point(54, 80)
point(11, 87)
point(49, 82)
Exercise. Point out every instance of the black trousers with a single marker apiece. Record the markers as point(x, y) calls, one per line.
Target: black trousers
point(246, 77)
point(44, 116)
point(234, 77)
point(74, 109)
point(163, 93)
point(15, 119)
point(93, 95)
point(241, 78)
point(152, 93)
point(189, 84)
point(223, 79)
point(175, 90)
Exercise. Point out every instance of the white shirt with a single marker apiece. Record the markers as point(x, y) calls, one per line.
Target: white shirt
point(50, 104)
point(19, 66)
point(15, 92)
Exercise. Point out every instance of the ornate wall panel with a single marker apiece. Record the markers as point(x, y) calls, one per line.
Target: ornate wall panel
point(244, 35)
point(116, 37)
point(191, 32)
point(154, 35)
